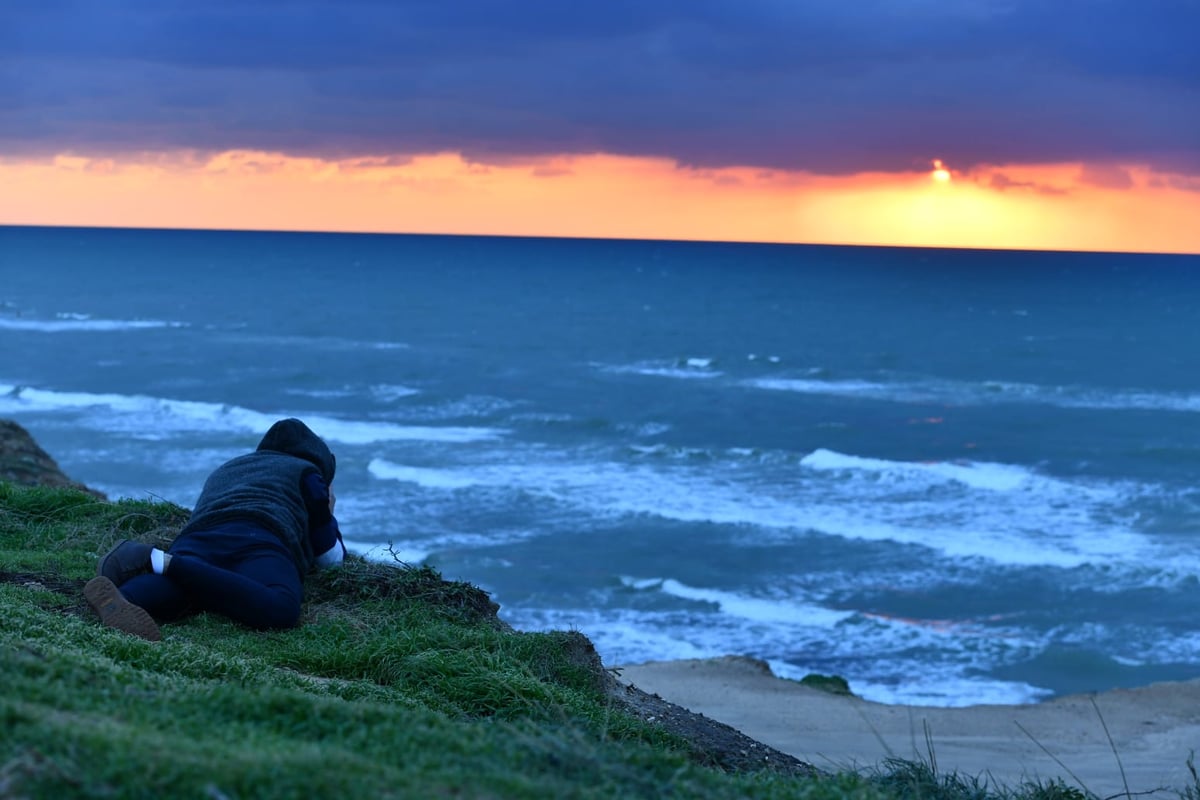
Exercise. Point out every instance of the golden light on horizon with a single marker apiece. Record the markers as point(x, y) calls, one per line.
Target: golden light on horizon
point(604, 196)
point(940, 173)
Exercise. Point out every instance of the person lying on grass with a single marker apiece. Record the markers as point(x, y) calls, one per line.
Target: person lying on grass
point(263, 521)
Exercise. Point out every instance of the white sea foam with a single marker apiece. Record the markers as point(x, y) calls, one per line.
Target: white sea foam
point(1084, 397)
point(685, 369)
point(387, 392)
point(358, 432)
point(463, 407)
point(673, 372)
point(323, 394)
point(424, 477)
point(240, 334)
point(153, 417)
point(652, 429)
point(937, 688)
point(156, 417)
point(1001, 513)
point(792, 617)
point(979, 475)
point(1176, 647)
point(843, 388)
point(932, 390)
point(753, 609)
point(73, 323)
point(424, 547)
point(907, 664)
point(1134, 401)
point(545, 417)
point(1003, 535)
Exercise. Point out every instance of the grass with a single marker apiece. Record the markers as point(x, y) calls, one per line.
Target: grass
point(397, 684)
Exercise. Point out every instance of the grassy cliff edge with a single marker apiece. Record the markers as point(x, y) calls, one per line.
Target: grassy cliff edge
point(397, 683)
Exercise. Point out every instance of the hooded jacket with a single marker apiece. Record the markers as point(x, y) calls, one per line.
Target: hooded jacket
point(264, 487)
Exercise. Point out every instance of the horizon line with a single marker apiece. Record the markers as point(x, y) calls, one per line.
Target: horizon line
point(568, 237)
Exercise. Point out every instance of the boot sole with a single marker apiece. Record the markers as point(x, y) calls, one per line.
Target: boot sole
point(117, 612)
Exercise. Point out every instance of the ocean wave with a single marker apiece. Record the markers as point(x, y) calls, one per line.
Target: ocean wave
point(649, 429)
point(1002, 514)
point(927, 390)
point(836, 388)
point(752, 609)
point(978, 475)
point(157, 417)
point(359, 432)
point(240, 335)
point(323, 394)
point(390, 392)
point(1044, 523)
point(75, 323)
point(944, 689)
point(393, 535)
point(990, 392)
point(667, 451)
point(1084, 397)
point(883, 662)
point(421, 476)
point(467, 407)
point(690, 368)
point(620, 636)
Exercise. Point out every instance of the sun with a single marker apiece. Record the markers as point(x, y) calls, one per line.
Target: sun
point(940, 173)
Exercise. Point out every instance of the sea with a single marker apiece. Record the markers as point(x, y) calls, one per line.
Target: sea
point(952, 477)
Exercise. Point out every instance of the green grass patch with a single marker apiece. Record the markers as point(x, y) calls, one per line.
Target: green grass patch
point(397, 684)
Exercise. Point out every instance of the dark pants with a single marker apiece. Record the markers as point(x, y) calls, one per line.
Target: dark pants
point(238, 569)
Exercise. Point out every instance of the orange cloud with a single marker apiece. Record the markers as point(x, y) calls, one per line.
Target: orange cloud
point(1065, 206)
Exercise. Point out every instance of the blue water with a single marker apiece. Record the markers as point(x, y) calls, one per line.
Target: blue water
point(952, 477)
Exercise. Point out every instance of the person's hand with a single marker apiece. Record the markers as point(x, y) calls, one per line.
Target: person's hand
point(332, 500)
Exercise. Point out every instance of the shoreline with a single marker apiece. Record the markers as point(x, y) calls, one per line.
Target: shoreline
point(1153, 729)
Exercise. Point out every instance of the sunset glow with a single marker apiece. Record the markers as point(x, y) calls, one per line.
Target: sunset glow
point(1022, 207)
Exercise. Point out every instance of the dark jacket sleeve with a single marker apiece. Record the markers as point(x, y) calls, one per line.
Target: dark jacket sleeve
point(323, 529)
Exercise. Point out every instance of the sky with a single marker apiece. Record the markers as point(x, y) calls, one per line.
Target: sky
point(1030, 124)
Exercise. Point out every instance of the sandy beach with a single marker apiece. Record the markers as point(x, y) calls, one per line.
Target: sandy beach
point(1154, 729)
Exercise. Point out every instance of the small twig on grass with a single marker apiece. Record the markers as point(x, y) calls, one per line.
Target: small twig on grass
point(391, 548)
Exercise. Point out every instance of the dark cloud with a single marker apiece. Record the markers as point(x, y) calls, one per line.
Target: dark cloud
point(822, 85)
point(1001, 182)
point(1182, 183)
point(1106, 176)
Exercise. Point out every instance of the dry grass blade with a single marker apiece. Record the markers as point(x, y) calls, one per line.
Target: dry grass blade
point(1056, 760)
point(1113, 745)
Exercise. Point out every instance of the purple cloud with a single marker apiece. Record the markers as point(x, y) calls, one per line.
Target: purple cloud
point(1106, 176)
point(823, 85)
point(1001, 182)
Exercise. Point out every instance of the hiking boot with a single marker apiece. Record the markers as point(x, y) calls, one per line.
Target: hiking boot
point(124, 561)
point(117, 612)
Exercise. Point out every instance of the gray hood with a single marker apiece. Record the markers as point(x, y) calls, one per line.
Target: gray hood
point(294, 438)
